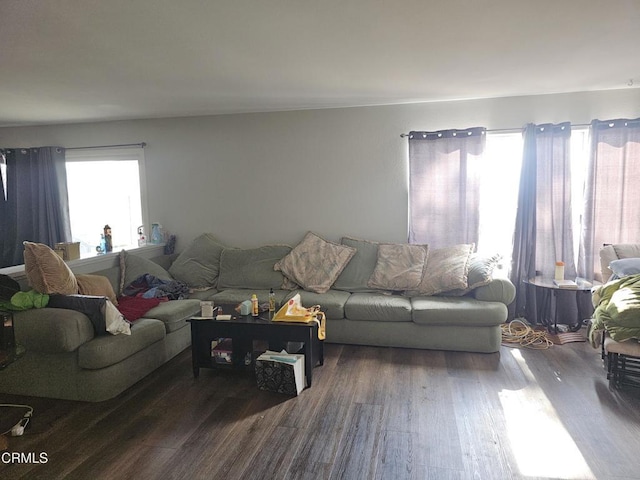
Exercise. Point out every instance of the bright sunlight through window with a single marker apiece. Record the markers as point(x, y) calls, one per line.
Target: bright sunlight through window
point(499, 190)
point(533, 423)
point(104, 189)
point(499, 194)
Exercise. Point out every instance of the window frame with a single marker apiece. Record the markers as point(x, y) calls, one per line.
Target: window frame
point(114, 154)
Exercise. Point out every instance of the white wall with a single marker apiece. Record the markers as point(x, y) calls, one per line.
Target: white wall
point(269, 177)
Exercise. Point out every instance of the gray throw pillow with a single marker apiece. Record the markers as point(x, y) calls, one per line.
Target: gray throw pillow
point(133, 266)
point(251, 268)
point(199, 264)
point(480, 273)
point(356, 275)
point(625, 266)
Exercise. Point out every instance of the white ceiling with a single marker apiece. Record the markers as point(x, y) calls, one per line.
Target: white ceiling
point(67, 61)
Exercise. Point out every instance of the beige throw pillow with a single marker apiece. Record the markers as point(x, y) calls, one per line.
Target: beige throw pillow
point(315, 263)
point(399, 266)
point(46, 271)
point(96, 285)
point(447, 269)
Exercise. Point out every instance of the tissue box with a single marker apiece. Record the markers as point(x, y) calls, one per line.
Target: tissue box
point(245, 307)
point(68, 250)
point(280, 373)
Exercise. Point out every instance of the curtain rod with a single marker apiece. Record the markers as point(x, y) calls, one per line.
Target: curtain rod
point(141, 144)
point(514, 129)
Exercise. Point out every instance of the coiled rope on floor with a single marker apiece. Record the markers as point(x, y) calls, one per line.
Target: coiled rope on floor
point(518, 333)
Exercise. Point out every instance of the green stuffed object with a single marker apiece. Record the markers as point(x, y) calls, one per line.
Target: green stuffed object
point(25, 301)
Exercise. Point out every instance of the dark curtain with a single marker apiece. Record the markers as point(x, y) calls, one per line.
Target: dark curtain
point(37, 207)
point(444, 186)
point(543, 232)
point(523, 264)
point(612, 193)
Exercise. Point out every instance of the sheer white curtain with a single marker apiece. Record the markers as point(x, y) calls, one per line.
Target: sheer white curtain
point(612, 193)
point(444, 186)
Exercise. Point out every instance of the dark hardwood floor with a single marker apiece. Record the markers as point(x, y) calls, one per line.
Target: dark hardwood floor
point(386, 413)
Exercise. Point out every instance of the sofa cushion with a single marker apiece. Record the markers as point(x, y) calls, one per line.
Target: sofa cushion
point(199, 264)
point(113, 275)
point(108, 350)
point(52, 330)
point(459, 311)
point(447, 269)
point(234, 296)
point(203, 294)
point(399, 266)
point(174, 313)
point(89, 284)
point(165, 260)
point(356, 274)
point(251, 268)
point(627, 250)
point(133, 266)
point(498, 290)
point(315, 263)
point(102, 314)
point(332, 302)
point(46, 271)
point(378, 307)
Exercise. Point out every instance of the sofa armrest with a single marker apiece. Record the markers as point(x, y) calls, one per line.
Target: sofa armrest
point(52, 330)
point(499, 290)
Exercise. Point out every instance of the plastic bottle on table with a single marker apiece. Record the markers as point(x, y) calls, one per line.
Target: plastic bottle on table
point(254, 305)
point(272, 301)
point(559, 274)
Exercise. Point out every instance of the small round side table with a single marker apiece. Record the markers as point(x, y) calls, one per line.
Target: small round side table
point(548, 310)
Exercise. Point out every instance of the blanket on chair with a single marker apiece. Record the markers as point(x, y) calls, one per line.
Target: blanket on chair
point(617, 310)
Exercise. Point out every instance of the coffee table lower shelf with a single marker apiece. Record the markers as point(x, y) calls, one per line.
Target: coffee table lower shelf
point(243, 331)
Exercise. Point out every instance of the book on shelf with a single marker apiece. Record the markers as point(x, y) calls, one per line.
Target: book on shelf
point(569, 284)
point(222, 351)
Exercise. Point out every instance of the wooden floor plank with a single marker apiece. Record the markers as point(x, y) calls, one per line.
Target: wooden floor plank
point(401, 455)
point(359, 446)
point(371, 413)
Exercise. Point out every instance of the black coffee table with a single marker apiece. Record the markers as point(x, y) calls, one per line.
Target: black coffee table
point(243, 330)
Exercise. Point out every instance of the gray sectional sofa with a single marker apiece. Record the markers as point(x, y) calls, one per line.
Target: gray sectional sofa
point(65, 359)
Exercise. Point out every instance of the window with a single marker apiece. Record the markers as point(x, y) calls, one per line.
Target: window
point(3, 174)
point(106, 187)
point(500, 183)
point(580, 145)
point(499, 194)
